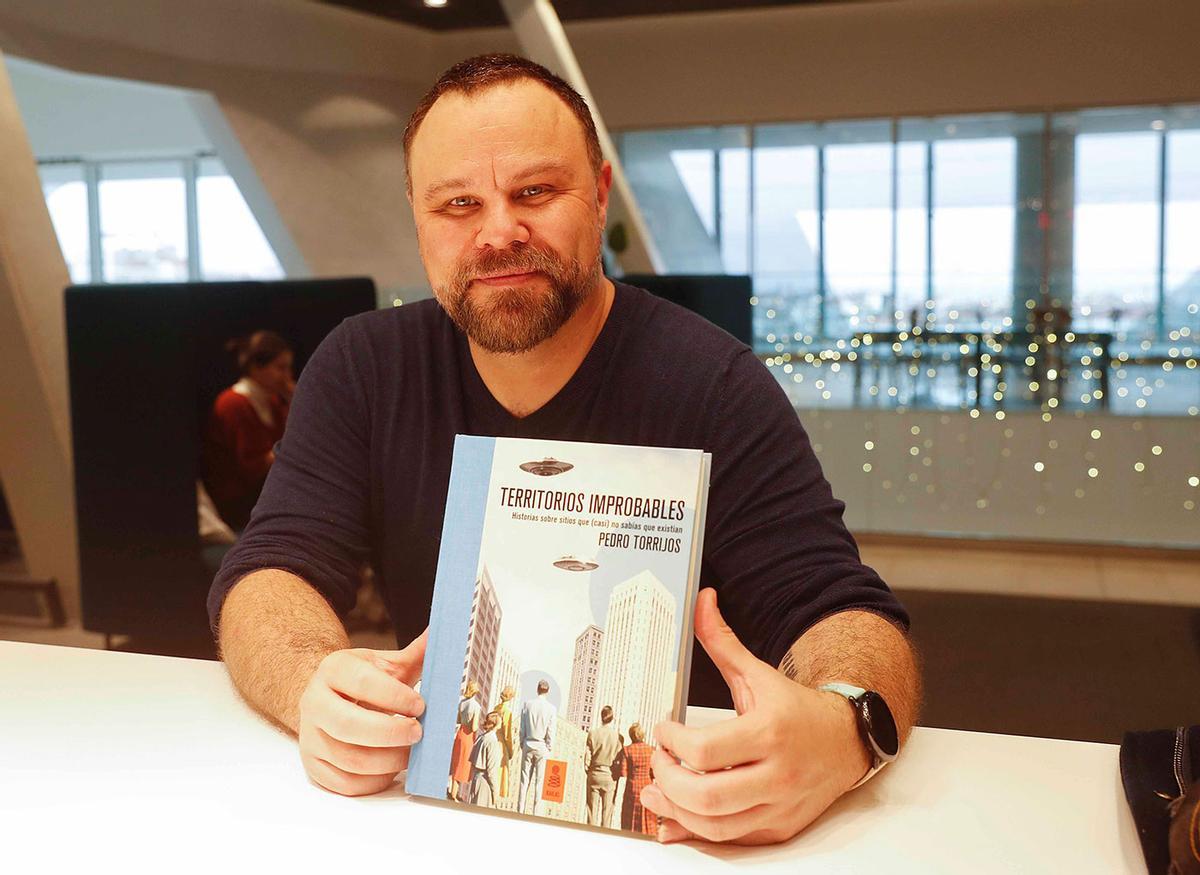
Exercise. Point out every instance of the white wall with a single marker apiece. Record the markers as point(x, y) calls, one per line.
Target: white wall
point(68, 115)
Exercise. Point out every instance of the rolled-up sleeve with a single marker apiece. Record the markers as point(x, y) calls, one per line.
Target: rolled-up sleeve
point(775, 544)
point(312, 518)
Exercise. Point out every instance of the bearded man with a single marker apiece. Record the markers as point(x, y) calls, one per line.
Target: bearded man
point(528, 338)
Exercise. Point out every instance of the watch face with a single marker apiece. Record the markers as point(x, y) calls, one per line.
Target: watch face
point(881, 726)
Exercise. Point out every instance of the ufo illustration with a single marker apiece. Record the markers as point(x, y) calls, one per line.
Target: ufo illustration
point(547, 467)
point(574, 563)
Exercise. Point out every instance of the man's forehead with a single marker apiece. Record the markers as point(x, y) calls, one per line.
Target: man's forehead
point(505, 126)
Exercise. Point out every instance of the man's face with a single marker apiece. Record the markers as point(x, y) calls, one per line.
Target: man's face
point(509, 212)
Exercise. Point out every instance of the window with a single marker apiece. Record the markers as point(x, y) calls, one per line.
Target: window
point(858, 258)
point(692, 186)
point(968, 225)
point(1116, 249)
point(1181, 291)
point(158, 221)
point(232, 245)
point(786, 234)
point(143, 222)
point(65, 190)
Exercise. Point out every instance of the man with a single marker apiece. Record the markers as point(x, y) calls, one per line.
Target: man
point(527, 338)
point(603, 749)
point(537, 743)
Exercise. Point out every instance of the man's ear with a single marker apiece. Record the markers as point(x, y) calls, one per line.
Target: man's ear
point(603, 188)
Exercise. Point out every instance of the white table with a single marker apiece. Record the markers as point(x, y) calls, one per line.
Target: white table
point(153, 764)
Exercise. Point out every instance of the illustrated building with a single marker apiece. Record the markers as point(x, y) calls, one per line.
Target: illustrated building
point(570, 746)
point(508, 674)
point(483, 638)
point(581, 704)
point(637, 656)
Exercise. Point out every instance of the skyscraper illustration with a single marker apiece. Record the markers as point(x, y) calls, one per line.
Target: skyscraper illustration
point(581, 704)
point(638, 652)
point(483, 638)
point(508, 674)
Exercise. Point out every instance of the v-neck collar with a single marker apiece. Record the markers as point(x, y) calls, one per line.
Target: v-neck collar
point(490, 415)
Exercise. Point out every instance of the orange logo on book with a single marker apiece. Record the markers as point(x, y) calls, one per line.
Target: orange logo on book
point(556, 780)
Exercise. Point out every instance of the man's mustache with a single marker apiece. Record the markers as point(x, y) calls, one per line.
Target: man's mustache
point(508, 261)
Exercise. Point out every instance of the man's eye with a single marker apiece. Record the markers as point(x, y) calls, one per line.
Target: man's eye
point(533, 190)
point(463, 201)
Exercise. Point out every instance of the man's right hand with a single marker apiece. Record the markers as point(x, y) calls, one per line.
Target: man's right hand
point(357, 717)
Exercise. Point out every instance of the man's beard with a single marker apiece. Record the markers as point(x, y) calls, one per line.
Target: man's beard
point(517, 318)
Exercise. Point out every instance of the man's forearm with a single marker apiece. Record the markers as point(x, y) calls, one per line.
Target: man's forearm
point(274, 631)
point(864, 649)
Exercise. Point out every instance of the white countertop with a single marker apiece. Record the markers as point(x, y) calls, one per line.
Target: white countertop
point(153, 764)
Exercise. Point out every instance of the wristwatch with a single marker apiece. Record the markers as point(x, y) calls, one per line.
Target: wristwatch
point(876, 726)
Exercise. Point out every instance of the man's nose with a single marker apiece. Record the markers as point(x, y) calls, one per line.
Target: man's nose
point(500, 227)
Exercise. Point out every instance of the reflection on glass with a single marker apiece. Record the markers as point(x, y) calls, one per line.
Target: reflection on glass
point(1116, 231)
point(735, 209)
point(974, 190)
point(786, 233)
point(143, 222)
point(692, 190)
point(1182, 268)
point(912, 230)
point(66, 198)
point(1025, 211)
point(232, 245)
point(858, 228)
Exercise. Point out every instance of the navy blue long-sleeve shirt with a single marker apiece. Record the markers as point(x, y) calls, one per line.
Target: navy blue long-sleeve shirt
point(362, 471)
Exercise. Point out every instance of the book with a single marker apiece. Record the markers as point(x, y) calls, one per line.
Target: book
point(560, 632)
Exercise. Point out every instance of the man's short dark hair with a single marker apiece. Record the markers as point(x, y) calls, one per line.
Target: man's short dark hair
point(487, 71)
point(606, 714)
point(543, 687)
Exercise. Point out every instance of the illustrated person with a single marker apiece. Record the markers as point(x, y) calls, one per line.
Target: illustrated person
point(486, 757)
point(467, 724)
point(245, 423)
point(526, 337)
point(506, 734)
point(537, 743)
point(638, 755)
point(603, 750)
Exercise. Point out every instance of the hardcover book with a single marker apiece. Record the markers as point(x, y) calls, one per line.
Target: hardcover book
point(561, 626)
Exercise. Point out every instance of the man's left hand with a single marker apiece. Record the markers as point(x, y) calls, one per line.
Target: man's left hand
point(764, 775)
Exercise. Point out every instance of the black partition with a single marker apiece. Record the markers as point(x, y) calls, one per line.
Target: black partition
point(722, 300)
point(146, 362)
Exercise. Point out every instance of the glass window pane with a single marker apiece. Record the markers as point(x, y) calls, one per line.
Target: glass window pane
point(232, 245)
point(785, 233)
point(1116, 222)
point(1182, 268)
point(974, 213)
point(143, 222)
point(66, 198)
point(735, 209)
point(695, 219)
point(858, 227)
point(912, 229)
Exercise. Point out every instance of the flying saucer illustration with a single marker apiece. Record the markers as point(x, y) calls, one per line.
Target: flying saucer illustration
point(574, 563)
point(547, 467)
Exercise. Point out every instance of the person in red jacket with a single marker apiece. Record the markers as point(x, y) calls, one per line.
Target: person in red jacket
point(246, 422)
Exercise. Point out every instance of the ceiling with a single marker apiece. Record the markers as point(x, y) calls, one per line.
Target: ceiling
point(460, 14)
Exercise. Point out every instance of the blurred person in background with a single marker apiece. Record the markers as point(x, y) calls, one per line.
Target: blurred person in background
point(246, 422)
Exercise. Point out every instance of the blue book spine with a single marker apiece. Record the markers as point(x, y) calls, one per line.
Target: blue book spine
point(450, 614)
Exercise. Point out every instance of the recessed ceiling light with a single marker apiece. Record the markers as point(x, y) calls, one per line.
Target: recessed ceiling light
point(435, 4)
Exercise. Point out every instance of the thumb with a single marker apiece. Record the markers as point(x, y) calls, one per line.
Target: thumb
point(405, 665)
point(736, 664)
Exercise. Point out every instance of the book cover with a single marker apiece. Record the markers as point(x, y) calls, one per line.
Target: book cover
point(560, 631)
